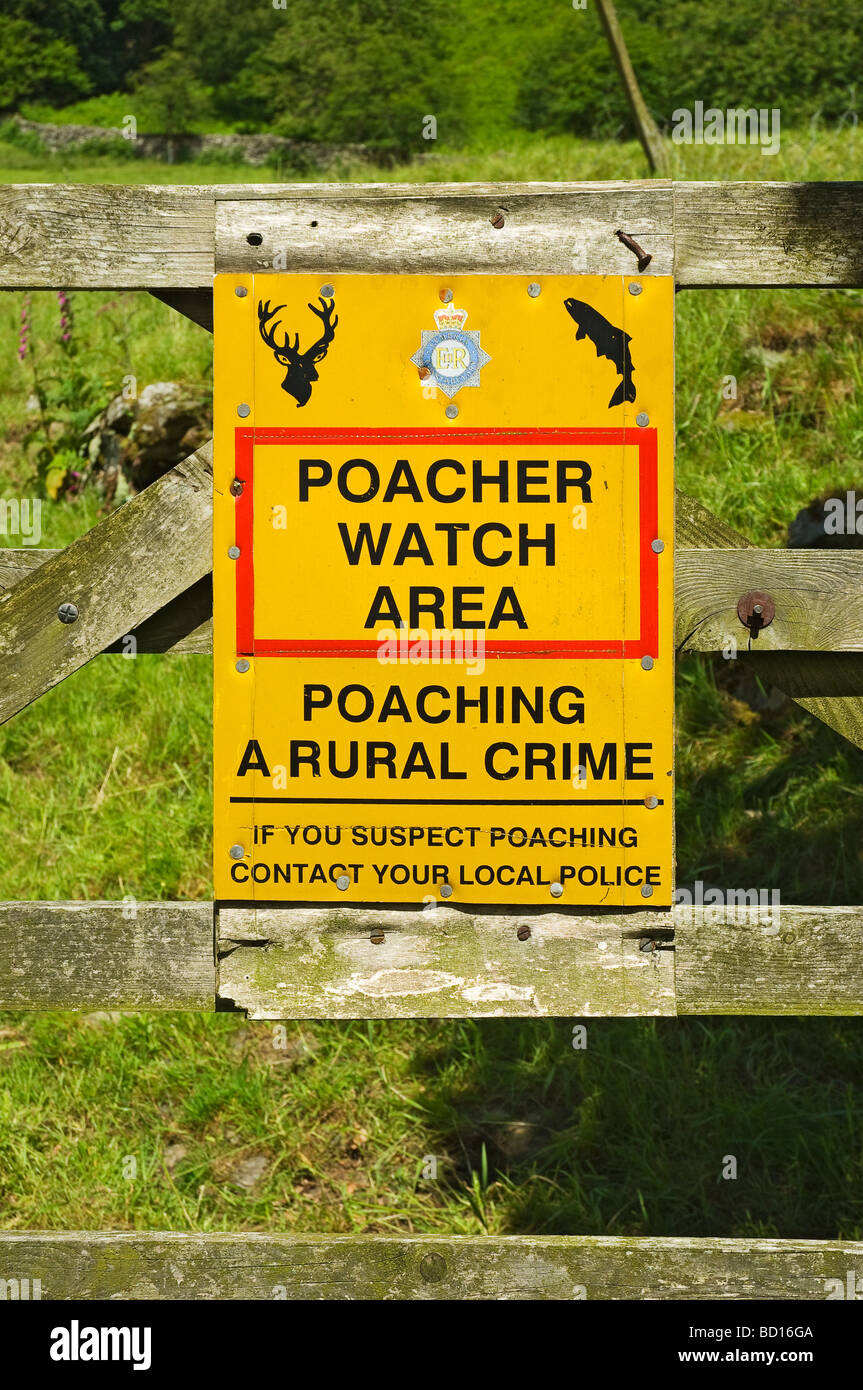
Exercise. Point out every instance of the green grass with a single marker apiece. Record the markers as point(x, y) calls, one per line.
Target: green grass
point(104, 786)
point(333, 1129)
point(807, 153)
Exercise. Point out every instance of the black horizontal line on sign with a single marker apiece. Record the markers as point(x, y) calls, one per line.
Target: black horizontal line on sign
point(414, 801)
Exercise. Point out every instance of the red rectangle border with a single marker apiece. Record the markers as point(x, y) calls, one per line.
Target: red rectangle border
point(615, 648)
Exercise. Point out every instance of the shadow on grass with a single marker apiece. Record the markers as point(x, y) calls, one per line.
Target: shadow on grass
point(632, 1133)
point(765, 798)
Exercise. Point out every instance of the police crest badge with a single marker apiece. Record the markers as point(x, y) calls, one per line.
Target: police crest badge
point(450, 355)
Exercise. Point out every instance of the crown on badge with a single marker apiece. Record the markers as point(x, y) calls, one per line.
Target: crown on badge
point(449, 317)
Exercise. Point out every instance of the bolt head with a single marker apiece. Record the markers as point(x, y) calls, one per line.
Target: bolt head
point(634, 287)
point(237, 852)
point(657, 547)
point(642, 419)
point(646, 890)
point(233, 552)
point(241, 291)
point(497, 221)
point(446, 296)
point(446, 890)
point(647, 663)
point(343, 883)
point(451, 412)
point(423, 373)
point(556, 890)
point(237, 487)
point(651, 802)
point(242, 665)
point(327, 291)
point(244, 410)
point(756, 610)
point(534, 290)
point(67, 613)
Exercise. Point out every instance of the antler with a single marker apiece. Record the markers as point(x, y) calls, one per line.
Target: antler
point(285, 354)
point(319, 349)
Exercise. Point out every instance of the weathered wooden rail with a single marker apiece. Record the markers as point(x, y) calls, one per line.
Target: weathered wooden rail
point(172, 239)
point(172, 1265)
point(371, 962)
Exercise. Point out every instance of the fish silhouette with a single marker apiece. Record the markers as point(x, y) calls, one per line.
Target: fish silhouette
point(609, 342)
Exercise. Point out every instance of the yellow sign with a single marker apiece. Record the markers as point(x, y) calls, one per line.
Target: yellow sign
point(443, 581)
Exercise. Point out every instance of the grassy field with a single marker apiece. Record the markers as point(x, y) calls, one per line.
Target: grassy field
point(334, 1130)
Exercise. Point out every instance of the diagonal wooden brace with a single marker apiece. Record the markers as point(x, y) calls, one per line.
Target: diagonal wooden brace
point(136, 561)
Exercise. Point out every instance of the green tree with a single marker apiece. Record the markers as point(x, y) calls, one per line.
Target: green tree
point(173, 102)
point(33, 62)
point(359, 71)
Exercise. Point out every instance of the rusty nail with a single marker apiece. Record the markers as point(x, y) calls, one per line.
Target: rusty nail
point(756, 610)
point(236, 488)
point(377, 937)
point(631, 245)
point(523, 933)
point(498, 220)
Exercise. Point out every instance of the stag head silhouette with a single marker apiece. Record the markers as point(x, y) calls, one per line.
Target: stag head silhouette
point(301, 365)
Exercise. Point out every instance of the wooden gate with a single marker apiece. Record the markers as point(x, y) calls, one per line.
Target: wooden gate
point(145, 570)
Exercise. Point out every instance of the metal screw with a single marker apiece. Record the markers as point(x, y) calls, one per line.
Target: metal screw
point(67, 613)
point(237, 852)
point(634, 287)
point(327, 291)
point(343, 882)
point(446, 890)
point(446, 296)
point(377, 937)
point(647, 663)
point(523, 933)
point(646, 890)
point(642, 420)
point(424, 373)
point(451, 412)
point(644, 258)
point(242, 665)
point(237, 488)
point(651, 802)
point(244, 410)
point(233, 552)
point(657, 547)
point(534, 290)
point(556, 890)
point(497, 221)
point(241, 291)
